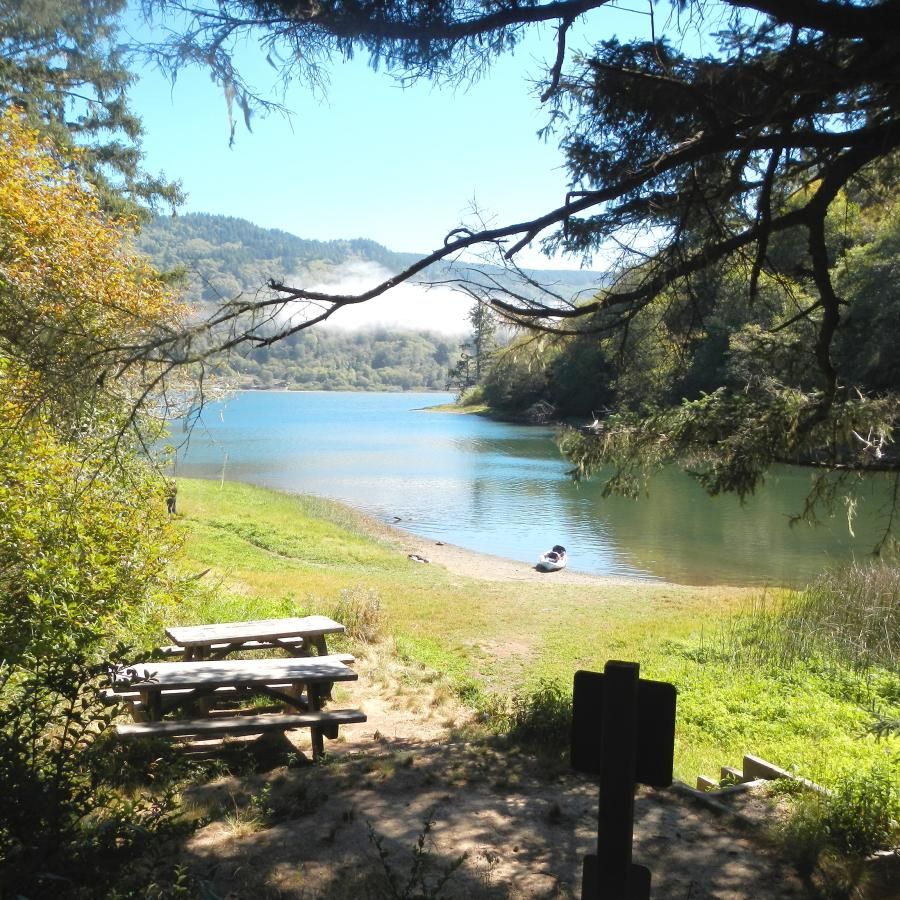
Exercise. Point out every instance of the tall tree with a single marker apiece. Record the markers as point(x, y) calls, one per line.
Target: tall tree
point(61, 64)
point(484, 336)
point(476, 351)
point(683, 163)
point(85, 540)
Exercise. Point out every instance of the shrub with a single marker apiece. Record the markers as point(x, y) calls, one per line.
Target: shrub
point(858, 817)
point(61, 816)
point(359, 611)
point(540, 720)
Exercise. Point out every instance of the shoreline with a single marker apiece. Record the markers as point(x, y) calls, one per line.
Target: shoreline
point(484, 566)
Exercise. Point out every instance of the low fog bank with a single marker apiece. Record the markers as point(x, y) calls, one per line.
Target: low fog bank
point(441, 308)
point(409, 306)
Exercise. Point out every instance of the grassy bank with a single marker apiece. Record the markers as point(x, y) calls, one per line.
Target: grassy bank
point(274, 554)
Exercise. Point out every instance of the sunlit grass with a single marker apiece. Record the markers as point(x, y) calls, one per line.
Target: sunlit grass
point(272, 554)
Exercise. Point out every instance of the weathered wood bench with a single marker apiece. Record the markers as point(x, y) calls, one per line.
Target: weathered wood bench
point(300, 683)
point(110, 696)
point(325, 722)
point(171, 697)
point(295, 634)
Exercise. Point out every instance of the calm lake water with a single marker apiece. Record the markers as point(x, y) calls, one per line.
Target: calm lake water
point(504, 489)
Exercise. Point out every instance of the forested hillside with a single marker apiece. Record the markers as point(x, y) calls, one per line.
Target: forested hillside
point(223, 258)
point(371, 360)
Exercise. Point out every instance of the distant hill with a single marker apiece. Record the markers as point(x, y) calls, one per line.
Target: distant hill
point(225, 256)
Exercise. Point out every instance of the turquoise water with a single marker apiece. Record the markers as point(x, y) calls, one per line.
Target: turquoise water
point(504, 489)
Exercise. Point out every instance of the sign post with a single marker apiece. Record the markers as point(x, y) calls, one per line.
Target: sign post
point(623, 729)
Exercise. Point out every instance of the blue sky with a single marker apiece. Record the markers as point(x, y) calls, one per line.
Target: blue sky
point(400, 166)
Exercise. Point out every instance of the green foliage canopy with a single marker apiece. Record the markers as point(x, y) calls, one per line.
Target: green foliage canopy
point(84, 537)
point(62, 66)
point(83, 533)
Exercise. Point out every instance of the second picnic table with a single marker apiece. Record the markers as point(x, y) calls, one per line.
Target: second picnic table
point(204, 674)
point(296, 635)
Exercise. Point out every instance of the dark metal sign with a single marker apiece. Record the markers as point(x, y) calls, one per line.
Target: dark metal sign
point(655, 748)
point(623, 729)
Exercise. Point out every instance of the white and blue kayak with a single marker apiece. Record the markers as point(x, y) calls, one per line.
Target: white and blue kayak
point(553, 560)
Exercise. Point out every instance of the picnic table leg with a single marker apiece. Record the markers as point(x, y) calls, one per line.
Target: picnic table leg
point(322, 650)
point(138, 711)
point(153, 704)
point(315, 732)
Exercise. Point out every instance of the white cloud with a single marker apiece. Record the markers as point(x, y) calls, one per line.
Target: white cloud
point(410, 306)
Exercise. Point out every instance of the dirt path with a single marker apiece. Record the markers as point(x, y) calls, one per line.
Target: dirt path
point(304, 832)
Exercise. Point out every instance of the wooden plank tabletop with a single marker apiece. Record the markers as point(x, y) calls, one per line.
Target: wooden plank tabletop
point(224, 672)
point(260, 630)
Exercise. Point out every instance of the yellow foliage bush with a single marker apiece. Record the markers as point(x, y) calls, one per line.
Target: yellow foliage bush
point(75, 300)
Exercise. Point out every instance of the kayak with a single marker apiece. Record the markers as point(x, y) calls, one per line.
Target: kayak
point(553, 560)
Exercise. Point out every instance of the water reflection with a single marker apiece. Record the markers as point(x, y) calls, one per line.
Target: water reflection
point(505, 490)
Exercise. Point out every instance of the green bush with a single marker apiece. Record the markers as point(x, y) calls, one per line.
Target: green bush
point(64, 822)
point(85, 544)
point(83, 538)
point(859, 816)
point(539, 720)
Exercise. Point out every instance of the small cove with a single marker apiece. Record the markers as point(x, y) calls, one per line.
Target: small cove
point(505, 490)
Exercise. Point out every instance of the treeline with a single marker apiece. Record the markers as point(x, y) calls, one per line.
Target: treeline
point(223, 257)
point(688, 345)
point(371, 360)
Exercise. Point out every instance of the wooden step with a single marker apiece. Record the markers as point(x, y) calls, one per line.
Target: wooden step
point(731, 775)
point(328, 722)
point(755, 767)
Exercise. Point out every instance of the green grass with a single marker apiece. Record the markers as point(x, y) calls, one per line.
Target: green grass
point(272, 554)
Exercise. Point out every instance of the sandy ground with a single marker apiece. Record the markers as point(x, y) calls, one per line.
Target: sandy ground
point(524, 831)
point(484, 566)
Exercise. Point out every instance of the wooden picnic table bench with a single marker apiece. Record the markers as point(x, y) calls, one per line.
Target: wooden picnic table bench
point(172, 698)
point(295, 634)
point(297, 682)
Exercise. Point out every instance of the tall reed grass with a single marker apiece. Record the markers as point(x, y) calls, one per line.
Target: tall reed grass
point(849, 616)
point(359, 610)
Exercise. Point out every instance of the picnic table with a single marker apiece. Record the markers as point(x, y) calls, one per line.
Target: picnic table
point(296, 635)
point(297, 682)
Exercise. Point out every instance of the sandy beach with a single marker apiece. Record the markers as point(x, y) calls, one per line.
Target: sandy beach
point(461, 561)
